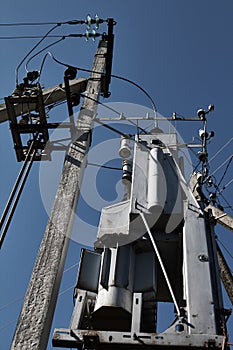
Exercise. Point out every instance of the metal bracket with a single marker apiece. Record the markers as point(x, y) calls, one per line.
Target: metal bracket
point(30, 123)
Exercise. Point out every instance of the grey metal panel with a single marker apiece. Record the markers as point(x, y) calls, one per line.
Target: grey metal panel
point(123, 266)
point(105, 268)
point(145, 278)
point(114, 225)
point(78, 309)
point(89, 270)
point(197, 277)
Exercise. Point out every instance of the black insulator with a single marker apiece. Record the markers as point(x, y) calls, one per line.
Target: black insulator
point(75, 99)
point(70, 73)
point(33, 75)
point(202, 156)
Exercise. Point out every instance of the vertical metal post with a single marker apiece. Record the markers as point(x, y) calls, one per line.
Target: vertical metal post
point(33, 328)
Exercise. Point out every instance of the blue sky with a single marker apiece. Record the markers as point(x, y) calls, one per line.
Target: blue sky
point(180, 51)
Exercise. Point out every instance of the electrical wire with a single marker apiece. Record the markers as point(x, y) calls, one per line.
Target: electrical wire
point(225, 186)
point(45, 48)
point(41, 23)
point(224, 174)
point(122, 116)
point(220, 150)
point(15, 320)
point(14, 205)
point(113, 76)
point(20, 298)
point(29, 37)
point(14, 190)
point(104, 166)
point(220, 166)
point(30, 51)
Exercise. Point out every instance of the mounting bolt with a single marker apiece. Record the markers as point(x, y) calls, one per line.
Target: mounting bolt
point(203, 258)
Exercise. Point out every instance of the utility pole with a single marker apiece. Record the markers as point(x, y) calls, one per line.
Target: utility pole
point(33, 328)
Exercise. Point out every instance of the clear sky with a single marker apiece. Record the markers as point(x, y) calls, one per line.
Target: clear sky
point(180, 51)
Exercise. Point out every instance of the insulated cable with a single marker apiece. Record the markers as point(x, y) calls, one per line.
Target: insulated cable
point(34, 47)
point(161, 263)
point(41, 23)
point(113, 76)
point(21, 177)
point(45, 48)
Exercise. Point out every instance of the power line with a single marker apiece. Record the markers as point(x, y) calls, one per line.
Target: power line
point(220, 166)
point(42, 23)
point(228, 184)
point(34, 47)
point(22, 177)
point(45, 48)
point(15, 320)
point(20, 298)
point(104, 166)
point(220, 150)
point(224, 174)
point(29, 37)
point(123, 117)
point(113, 76)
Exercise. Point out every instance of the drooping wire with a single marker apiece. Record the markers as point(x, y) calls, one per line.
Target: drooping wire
point(113, 76)
point(34, 47)
point(39, 52)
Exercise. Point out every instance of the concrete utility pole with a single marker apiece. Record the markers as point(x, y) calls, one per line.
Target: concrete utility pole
point(33, 328)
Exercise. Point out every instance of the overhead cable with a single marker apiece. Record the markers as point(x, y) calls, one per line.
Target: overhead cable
point(113, 76)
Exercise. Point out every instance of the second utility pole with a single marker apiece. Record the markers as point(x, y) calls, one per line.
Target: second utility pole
point(33, 328)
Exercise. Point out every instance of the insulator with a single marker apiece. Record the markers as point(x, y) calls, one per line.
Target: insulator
point(70, 73)
point(127, 170)
point(93, 34)
point(203, 134)
point(202, 156)
point(201, 114)
point(88, 21)
point(87, 35)
point(33, 75)
point(125, 151)
point(97, 21)
point(75, 99)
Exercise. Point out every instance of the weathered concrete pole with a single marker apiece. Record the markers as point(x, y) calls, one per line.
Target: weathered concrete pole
point(33, 328)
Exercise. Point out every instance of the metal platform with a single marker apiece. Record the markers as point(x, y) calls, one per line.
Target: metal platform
point(29, 123)
point(89, 339)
